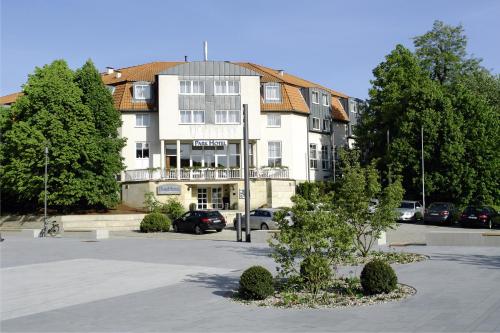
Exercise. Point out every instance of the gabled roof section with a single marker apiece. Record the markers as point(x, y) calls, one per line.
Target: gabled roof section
point(144, 72)
point(291, 100)
point(209, 68)
point(338, 112)
point(9, 99)
point(273, 75)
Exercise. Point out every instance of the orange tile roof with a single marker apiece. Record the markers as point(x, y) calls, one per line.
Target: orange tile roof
point(273, 75)
point(9, 99)
point(338, 112)
point(291, 100)
point(144, 72)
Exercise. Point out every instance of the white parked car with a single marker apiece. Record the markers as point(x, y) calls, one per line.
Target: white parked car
point(410, 211)
point(262, 219)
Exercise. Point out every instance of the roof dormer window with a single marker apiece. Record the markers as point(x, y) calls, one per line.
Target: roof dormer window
point(142, 91)
point(315, 97)
point(272, 92)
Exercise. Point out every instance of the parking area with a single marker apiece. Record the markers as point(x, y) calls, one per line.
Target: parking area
point(135, 284)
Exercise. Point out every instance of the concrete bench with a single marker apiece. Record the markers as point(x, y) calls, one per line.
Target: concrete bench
point(462, 239)
point(30, 233)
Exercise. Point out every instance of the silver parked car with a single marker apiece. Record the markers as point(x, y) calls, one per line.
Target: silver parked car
point(410, 211)
point(262, 219)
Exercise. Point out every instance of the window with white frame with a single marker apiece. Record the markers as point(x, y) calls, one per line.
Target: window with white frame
point(142, 120)
point(192, 87)
point(142, 91)
point(273, 120)
point(315, 97)
point(313, 156)
point(274, 153)
point(227, 87)
point(326, 125)
point(227, 116)
point(325, 160)
point(142, 149)
point(316, 124)
point(192, 116)
point(272, 92)
point(326, 100)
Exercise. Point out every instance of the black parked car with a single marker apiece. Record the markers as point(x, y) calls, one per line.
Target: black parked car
point(198, 221)
point(480, 216)
point(441, 213)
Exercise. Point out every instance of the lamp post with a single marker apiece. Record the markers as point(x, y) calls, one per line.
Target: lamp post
point(423, 169)
point(42, 234)
point(246, 173)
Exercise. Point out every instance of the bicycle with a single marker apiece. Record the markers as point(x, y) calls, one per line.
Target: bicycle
point(52, 231)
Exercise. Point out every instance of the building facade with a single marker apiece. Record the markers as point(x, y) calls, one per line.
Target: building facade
point(184, 131)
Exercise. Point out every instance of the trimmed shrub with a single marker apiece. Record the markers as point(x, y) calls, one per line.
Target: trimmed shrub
point(316, 272)
point(155, 222)
point(173, 208)
point(256, 283)
point(378, 277)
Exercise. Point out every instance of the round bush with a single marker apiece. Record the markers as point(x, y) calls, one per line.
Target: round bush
point(378, 277)
point(256, 283)
point(315, 270)
point(155, 222)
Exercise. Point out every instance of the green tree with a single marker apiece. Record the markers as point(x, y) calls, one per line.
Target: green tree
point(358, 186)
point(317, 233)
point(50, 112)
point(457, 103)
point(108, 162)
point(442, 52)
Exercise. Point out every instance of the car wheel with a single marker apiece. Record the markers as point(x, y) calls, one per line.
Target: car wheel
point(219, 230)
point(264, 226)
point(197, 230)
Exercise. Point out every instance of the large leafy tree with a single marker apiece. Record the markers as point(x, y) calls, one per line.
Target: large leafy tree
point(106, 120)
point(454, 100)
point(54, 112)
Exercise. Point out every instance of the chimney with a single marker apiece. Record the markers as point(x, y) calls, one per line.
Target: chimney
point(110, 70)
point(118, 74)
point(281, 72)
point(185, 58)
point(205, 51)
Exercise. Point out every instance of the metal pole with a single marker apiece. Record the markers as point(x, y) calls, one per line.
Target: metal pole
point(45, 192)
point(388, 166)
point(334, 149)
point(245, 172)
point(238, 227)
point(423, 169)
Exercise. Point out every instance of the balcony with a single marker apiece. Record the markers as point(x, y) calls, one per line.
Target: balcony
point(204, 174)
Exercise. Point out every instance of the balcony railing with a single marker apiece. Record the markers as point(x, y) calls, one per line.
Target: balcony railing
point(204, 174)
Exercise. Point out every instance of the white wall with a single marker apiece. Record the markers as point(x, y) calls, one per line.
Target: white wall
point(134, 134)
point(169, 122)
point(293, 137)
point(320, 140)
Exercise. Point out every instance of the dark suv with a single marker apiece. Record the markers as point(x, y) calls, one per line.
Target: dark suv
point(198, 221)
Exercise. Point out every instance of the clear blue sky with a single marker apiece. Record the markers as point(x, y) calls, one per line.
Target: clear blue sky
point(335, 43)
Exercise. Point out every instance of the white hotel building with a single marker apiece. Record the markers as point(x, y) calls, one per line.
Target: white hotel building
point(183, 125)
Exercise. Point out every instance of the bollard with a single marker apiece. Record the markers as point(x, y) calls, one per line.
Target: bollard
point(238, 227)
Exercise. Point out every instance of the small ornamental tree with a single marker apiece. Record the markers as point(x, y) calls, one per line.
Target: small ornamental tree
point(358, 186)
point(317, 233)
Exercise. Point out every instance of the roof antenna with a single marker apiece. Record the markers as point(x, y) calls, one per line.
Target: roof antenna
point(185, 58)
point(205, 51)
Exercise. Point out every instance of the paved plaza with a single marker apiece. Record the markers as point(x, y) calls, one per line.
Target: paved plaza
point(134, 284)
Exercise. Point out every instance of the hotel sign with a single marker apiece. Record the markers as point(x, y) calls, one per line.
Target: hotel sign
point(209, 143)
point(168, 189)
